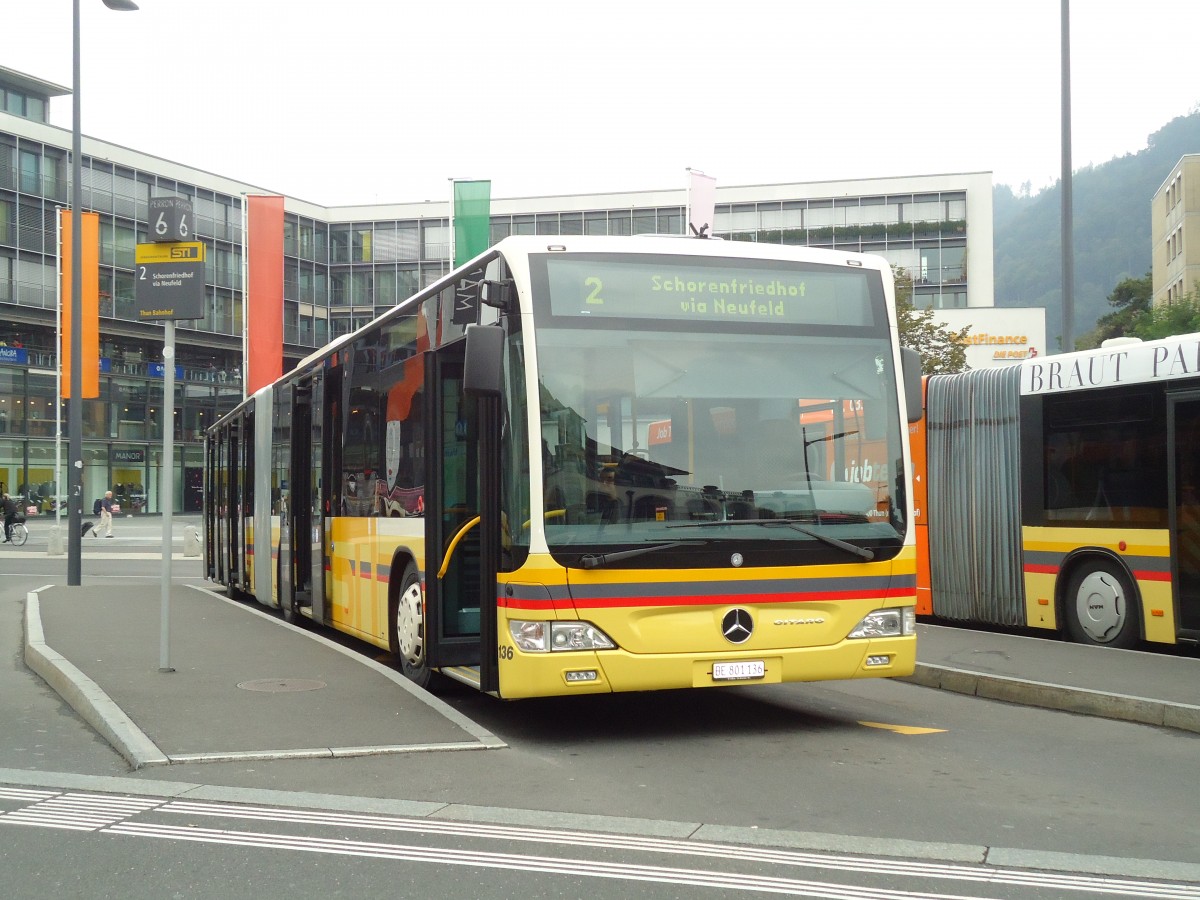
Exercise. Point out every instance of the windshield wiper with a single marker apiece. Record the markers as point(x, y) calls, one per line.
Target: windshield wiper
point(861, 552)
point(596, 560)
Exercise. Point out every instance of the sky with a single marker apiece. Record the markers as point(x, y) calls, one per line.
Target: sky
point(384, 101)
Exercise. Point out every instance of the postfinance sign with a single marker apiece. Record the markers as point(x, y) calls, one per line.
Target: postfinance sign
point(169, 280)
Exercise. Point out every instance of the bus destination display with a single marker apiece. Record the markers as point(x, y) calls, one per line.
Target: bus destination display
point(679, 289)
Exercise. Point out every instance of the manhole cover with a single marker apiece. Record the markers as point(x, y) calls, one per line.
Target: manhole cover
point(280, 685)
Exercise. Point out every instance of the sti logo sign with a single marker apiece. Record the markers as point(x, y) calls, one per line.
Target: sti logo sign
point(169, 280)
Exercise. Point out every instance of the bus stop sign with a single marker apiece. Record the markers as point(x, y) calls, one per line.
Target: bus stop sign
point(169, 281)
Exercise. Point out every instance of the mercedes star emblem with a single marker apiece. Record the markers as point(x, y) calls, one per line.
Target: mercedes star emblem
point(737, 626)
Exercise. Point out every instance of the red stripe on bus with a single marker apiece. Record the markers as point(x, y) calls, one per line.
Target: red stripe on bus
point(702, 600)
point(1139, 575)
point(1039, 569)
point(1152, 576)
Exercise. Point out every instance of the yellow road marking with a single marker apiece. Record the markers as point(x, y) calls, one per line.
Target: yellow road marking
point(903, 729)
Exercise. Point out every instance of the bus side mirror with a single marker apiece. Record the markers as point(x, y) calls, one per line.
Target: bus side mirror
point(910, 362)
point(482, 369)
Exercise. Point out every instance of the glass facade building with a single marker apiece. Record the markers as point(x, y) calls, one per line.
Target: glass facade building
point(342, 267)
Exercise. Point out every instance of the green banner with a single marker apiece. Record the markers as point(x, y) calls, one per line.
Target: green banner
point(472, 219)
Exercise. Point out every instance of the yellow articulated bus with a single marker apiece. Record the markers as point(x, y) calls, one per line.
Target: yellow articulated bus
point(1064, 493)
point(593, 464)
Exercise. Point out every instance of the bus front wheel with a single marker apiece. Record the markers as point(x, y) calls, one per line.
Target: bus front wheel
point(407, 631)
point(1102, 607)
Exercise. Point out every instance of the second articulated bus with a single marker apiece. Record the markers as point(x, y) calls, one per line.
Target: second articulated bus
point(581, 465)
point(1063, 493)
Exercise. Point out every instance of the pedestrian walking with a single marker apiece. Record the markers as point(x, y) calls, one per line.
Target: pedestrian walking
point(106, 511)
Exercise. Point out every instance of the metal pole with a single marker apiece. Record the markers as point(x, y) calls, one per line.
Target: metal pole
point(245, 294)
point(450, 220)
point(58, 392)
point(166, 494)
point(75, 404)
point(1068, 229)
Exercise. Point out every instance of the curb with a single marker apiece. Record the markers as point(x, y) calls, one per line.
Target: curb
point(991, 857)
point(1181, 716)
point(96, 708)
point(85, 696)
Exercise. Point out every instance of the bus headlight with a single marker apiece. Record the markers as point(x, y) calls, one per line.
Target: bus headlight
point(886, 623)
point(543, 637)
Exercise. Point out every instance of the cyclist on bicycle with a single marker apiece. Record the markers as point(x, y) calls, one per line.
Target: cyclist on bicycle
point(10, 515)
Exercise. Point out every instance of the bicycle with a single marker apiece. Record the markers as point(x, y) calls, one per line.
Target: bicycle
point(20, 534)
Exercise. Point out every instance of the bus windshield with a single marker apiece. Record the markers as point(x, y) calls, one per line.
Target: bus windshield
point(658, 413)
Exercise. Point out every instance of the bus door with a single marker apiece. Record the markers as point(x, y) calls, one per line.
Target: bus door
point(212, 551)
point(243, 504)
point(305, 509)
point(1183, 411)
point(461, 603)
point(230, 526)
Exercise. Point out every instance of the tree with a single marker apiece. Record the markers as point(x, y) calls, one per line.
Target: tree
point(942, 351)
point(1131, 302)
point(1135, 314)
point(1168, 319)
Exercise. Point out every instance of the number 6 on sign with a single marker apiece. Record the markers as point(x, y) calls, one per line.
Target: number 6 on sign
point(170, 216)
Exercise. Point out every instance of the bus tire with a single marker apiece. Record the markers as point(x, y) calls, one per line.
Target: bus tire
point(1102, 606)
point(406, 628)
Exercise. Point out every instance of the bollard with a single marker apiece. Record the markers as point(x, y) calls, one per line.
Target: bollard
point(191, 541)
point(54, 542)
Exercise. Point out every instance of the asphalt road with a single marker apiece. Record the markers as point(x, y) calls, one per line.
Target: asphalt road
point(888, 770)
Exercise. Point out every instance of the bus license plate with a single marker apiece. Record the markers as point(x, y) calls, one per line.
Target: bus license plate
point(739, 671)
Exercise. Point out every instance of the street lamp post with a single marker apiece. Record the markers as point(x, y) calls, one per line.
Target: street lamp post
point(75, 406)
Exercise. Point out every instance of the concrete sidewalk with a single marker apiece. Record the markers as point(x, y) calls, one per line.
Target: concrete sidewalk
point(245, 685)
point(134, 537)
point(1153, 688)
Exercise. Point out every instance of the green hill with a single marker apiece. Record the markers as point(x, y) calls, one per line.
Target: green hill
point(1112, 230)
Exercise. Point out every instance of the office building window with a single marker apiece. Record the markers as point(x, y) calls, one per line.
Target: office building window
point(570, 223)
point(360, 247)
point(12, 397)
point(954, 265)
point(30, 181)
point(339, 244)
point(925, 211)
point(386, 246)
point(305, 239)
point(644, 221)
point(435, 241)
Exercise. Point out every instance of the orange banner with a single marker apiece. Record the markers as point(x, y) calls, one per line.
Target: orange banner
point(89, 345)
point(264, 291)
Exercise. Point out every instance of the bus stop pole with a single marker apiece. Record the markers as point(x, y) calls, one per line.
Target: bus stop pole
point(166, 493)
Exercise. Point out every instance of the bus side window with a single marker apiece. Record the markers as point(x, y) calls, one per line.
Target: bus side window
point(1060, 494)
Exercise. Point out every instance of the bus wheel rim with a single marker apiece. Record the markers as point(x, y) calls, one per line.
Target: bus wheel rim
point(409, 625)
point(1100, 606)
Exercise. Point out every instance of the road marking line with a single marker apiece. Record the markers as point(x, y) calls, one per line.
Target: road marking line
point(903, 729)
